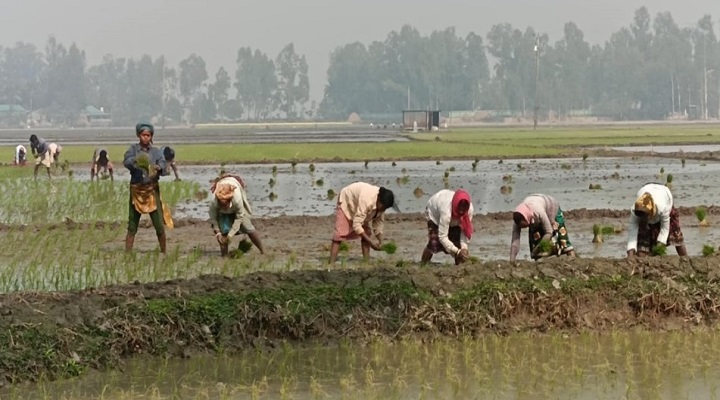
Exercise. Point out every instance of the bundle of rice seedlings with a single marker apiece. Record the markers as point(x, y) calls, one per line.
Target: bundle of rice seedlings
point(701, 214)
point(143, 162)
point(659, 250)
point(708, 250)
point(389, 247)
point(597, 234)
point(244, 246)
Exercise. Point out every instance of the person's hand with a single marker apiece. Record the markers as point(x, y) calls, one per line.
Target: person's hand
point(221, 239)
point(375, 245)
point(631, 254)
point(463, 255)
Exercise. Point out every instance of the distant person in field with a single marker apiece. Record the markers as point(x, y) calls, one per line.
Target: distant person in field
point(101, 163)
point(55, 150)
point(230, 213)
point(146, 164)
point(41, 152)
point(654, 220)
point(20, 155)
point(542, 215)
point(449, 224)
point(169, 154)
point(360, 213)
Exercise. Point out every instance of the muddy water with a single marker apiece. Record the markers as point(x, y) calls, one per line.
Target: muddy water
point(673, 365)
point(493, 186)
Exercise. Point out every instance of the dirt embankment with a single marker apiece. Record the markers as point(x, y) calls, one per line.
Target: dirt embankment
point(64, 334)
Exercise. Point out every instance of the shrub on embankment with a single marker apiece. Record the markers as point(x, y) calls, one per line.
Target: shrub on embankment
point(56, 335)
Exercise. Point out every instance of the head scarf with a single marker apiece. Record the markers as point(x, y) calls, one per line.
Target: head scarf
point(465, 223)
point(144, 127)
point(646, 204)
point(526, 212)
point(224, 192)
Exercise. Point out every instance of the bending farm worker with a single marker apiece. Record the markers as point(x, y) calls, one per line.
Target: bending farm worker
point(101, 162)
point(169, 155)
point(230, 212)
point(55, 150)
point(20, 155)
point(360, 213)
point(41, 151)
point(542, 215)
point(449, 224)
point(654, 220)
point(146, 163)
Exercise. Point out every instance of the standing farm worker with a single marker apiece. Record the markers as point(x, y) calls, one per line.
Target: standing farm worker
point(654, 220)
point(55, 150)
point(41, 151)
point(101, 161)
point(449, 223)
point(230, 212)
point(542, 215)
point(20, 155)
point(146, 163)
point(169, 155)
point(359, 213)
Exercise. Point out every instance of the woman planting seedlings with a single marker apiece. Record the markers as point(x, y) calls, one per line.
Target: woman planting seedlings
point(230, 213)
point(654, 221)
point(449, 224)
point(360, 212)
point(534, 213)
point(101, 163)
point(145, 163)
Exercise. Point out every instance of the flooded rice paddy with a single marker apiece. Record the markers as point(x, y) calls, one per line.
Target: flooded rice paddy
point(629, 365)
point(494, 186)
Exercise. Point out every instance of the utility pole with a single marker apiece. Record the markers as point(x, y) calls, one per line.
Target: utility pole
point(672, 93)
point(705, 106)
point(537, 77)
point(163, 93)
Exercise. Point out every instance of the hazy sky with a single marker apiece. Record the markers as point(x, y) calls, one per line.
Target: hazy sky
point(215, 29)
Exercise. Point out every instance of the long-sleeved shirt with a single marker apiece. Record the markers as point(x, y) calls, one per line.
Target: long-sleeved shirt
point(544, 209)
point(40, 147)
point(439, 211)
point(662, 197)
point(136, 174)
point(239, 205)
point(358, 202)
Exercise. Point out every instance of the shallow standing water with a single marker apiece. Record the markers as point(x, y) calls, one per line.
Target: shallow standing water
point(647, 365)
point(299, 192)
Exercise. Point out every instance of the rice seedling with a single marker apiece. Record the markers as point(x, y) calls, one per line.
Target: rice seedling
point(438, 162)
point(474, 166)
point(595, 186)
point(701, 214)
point(584, 157)
point(320, 182)
point(418, 192)
point(274, 170)
point(708, 250)
point(662, 170)
point(344, 247)
point(403, 180)
point(366, 164)
point(507, 178)
point(500, 161)
point(669, 180)
point(394, 164)
point(404, 170)
point(597, 234)
point(565, 166)
point(311, 167)
point(520, 167)
point(682, 162)
point(389, 247)
point(546, 246)
point(272, 196)
point(451, 169)
point(446, 174)
point(244, 246)
point(659, 250)
point(271, 182)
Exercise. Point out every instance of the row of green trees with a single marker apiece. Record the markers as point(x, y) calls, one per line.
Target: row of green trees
point(650, 69)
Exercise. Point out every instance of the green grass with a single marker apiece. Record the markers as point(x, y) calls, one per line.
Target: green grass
point(472, 143)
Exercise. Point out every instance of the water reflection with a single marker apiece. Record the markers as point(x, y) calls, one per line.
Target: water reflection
point(641, 365)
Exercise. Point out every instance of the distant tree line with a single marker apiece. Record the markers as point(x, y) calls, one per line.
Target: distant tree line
point(651, 69)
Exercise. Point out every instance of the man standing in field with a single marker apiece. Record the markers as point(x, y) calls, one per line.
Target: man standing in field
point(146, 164)
point(41, 152)
point(360, 213)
